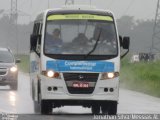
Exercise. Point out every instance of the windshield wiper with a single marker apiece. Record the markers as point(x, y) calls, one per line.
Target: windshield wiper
point(94, 45)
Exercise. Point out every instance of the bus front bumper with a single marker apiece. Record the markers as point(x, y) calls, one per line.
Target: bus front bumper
point(56, 89)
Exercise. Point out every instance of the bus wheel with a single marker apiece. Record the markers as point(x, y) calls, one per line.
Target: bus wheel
point(112, 108)
point(104, 109)
point(95, 109)
point(46, 107)
point(109, 108)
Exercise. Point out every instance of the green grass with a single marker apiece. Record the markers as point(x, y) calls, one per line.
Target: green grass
point(24, 64)
point(142, 76)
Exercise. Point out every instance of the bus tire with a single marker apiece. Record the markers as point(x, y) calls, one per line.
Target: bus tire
point(95, 109)
point(104, 109)
point(109, 108)
point(46, 107)
point(112, 108)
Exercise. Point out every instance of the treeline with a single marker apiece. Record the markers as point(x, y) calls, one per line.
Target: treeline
point(140, 32)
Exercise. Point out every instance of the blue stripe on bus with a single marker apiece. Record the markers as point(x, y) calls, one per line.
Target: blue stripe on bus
point(82, 66)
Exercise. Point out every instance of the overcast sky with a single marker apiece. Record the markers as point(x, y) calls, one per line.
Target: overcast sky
point(140, 9)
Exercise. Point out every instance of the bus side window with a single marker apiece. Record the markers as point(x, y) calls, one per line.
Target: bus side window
point(38, 46)
point(35, 39)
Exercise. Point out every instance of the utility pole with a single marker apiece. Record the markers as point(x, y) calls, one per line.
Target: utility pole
point(14, 11)
point(156, 31)
point(13, 21)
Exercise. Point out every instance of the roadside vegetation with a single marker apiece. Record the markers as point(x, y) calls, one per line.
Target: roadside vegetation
point(143, 77)
point(24, 64)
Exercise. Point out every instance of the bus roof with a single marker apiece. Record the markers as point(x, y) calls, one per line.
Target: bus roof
point(74, 8)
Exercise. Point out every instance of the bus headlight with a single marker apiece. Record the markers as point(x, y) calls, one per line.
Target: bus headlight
point(13, 69)
point(109, 75)
point(51, 74)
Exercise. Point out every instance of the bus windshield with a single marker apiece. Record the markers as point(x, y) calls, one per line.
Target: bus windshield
point(78, 34)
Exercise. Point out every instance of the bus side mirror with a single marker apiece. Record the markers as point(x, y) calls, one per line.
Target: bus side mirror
point(126, 43)
point(18, 61)
point(121, 41)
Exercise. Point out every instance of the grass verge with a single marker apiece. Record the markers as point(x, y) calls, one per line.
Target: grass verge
point(24, 64)
point(143, 77)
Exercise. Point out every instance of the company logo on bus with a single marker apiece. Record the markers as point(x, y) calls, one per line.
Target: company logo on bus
point(81, 77)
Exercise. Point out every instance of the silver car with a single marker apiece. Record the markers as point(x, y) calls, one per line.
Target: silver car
point(8, 69)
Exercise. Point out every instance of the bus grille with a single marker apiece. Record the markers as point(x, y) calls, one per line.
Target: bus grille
point(82, 77)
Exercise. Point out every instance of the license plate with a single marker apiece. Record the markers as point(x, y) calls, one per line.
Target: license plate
point(80, 85)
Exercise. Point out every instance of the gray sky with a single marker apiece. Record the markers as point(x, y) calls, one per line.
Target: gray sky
point(140, 9)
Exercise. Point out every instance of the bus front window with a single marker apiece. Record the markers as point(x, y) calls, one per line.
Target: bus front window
point(79, 36)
